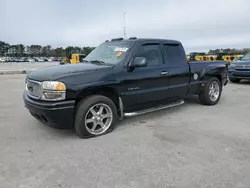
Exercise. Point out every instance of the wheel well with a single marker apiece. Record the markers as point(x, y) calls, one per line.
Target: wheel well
point(105, 91)
point(219, 78)
point(207, 77)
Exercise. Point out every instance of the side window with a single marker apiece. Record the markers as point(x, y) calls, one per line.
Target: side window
point(174, 53)
point(152, 52)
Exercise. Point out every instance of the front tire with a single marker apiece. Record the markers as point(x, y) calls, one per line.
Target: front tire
point(211, 93)
point(234, 80)
point(96, 115)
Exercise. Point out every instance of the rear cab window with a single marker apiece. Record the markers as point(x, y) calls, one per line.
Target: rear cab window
point(174, 54)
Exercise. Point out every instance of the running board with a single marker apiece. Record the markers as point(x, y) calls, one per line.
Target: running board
point(131, 114)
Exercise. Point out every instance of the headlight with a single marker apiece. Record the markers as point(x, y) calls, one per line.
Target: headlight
point(231, 68)
point(232, 65)
point(53, 91)
point(53, 85)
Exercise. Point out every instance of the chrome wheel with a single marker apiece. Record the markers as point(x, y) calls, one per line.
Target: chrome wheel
point(214, 91)
point(98, 119)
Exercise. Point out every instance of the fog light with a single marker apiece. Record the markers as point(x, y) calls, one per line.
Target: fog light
point(53, 95)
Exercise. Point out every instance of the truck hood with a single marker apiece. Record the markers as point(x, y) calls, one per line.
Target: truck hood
point(60, 71)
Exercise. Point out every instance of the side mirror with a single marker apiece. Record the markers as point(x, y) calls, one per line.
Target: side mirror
point(138, 62)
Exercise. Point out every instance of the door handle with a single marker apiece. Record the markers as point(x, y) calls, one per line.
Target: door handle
point(164, 73)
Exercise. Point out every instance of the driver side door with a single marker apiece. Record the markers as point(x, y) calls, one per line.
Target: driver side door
point(143, 85)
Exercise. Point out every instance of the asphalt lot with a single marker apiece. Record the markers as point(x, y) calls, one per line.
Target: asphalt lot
point(184, 147)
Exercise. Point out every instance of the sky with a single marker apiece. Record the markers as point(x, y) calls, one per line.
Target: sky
point(199, 24)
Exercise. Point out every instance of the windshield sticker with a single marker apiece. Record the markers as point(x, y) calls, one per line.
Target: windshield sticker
point(117, 49)
point(119, 54)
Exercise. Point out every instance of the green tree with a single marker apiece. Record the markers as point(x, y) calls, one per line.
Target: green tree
point(211, 51)
point(227, 50)
point(86, 50)
point(245, 50)
point(28, 51)
point(217, 51)
point(13, 50)
point(59, 52)
point(46, 50)
point(4, 47)
point(36, 50)
point(78, 49)
point(20, 49)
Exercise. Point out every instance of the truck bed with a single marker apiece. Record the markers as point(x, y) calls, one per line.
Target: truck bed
point(200, 69)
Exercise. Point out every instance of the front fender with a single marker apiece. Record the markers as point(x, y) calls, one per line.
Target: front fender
point(95, 86)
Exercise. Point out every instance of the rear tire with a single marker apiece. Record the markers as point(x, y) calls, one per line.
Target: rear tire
point(234, 80)
point(95, 116)
point(211, 93)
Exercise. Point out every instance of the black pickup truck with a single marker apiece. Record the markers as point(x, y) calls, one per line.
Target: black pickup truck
point(120, 78)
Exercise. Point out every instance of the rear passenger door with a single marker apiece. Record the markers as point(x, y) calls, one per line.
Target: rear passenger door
point(178, 70)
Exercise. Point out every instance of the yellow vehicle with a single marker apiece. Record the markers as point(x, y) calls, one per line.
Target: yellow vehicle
point(237, 57)
point(224, 57)
point(227, 58)
point(199, 58)
point(77, 58)
point(196, 56)
point(209, 58)
point(72, 57)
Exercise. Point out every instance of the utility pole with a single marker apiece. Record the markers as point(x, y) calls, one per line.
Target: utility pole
point(124, 29)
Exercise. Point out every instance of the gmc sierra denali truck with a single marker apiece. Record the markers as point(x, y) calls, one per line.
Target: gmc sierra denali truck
point(120, 78)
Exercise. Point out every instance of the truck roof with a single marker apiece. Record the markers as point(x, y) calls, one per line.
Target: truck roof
point(146, 40)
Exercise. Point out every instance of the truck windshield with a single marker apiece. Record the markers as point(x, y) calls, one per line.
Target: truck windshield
point(246, 57)
point(110, 52)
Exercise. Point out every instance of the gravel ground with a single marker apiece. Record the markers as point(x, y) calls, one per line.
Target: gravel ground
point(191, 146)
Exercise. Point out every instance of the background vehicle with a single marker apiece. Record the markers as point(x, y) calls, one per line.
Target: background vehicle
point(49, 59)
point(209, 58)
point(240, 69)
point(17, 59)
point(121, 78)
point(196, 56)
point(30, 60)
point(2, 59)
point(72, 57)
point(39, 59)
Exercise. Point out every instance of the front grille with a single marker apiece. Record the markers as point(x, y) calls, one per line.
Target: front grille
point(242, 67)
point(242, 73)
point(33, 88)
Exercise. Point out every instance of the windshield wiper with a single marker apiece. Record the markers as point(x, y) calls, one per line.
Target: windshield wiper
point(84, 61)
point(98, 61)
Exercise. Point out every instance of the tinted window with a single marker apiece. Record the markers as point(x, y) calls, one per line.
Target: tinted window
point(174, 53)
point(152, 53)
